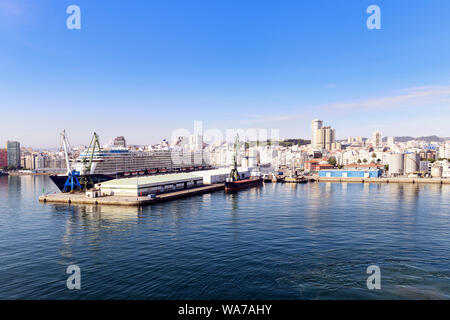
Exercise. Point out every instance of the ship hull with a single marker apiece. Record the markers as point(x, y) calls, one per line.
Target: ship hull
point(60, 180)
point(242, 184)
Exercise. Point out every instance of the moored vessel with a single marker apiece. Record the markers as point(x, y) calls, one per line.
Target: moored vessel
point(232, 186)
point(290, 180)
point(267, 178)
point(235, 182)
point(96, 165)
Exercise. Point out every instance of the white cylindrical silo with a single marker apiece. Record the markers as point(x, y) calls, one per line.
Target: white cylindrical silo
point(436, 171)
point(396, 164)
point(412, 161)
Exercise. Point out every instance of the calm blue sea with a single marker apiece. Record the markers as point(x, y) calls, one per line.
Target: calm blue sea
point(280, 241)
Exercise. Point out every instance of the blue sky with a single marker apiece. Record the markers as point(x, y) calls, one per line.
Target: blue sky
point(145, 68)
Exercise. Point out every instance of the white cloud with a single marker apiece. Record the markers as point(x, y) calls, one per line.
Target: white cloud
point(413, 101)
point(417, 96)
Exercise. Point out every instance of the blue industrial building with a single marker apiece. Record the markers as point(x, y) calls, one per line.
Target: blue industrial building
point(349, 173)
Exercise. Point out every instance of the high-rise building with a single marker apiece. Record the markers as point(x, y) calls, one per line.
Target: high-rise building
point(377, 139)
point(13, 149)
point(316, 124)
point(330, 137)
point(322, 137)
point(3, 158)
point(30, 162)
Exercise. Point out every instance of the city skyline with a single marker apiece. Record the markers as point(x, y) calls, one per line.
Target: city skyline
point(144, 70)
point(213, 152)
point(110, 142)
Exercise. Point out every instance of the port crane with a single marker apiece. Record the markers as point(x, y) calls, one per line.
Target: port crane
point(72, 183)
point(95, 142)
point(75, 181)
point(234, 174)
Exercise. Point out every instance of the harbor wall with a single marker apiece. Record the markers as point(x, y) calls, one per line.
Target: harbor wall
point(385, 180)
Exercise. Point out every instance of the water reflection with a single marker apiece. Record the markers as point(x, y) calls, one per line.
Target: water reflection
point(14, 187)
point(279, 241)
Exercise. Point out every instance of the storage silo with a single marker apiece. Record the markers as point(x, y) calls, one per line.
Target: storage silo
point(253, 158)
point(396, 164)
point(412, 161)
point(436, 171)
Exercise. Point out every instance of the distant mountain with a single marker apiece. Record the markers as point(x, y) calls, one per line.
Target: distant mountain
point(426, 139)
point(291, 142)
point(433, 138)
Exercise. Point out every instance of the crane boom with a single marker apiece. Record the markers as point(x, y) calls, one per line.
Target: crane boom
point(72, 182)
point(234, 174)
point(94, 143)
point(65, 144)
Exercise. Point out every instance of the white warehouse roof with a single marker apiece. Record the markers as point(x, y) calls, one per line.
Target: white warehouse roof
point(149, 181)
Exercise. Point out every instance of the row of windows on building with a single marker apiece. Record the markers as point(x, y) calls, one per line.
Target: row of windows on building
point(13, 158)
point(10, 157)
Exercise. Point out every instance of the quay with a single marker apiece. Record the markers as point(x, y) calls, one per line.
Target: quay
point(80, 197)
point(384, 180)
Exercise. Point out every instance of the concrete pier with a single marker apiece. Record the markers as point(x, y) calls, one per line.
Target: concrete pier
point(80, 197)
point(385, 180)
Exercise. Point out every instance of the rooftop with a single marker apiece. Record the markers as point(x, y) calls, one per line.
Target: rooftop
point(150, 180)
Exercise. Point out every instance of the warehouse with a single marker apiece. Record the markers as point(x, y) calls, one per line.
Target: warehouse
point(143, 186)
point(369, 173)
point(220, 175)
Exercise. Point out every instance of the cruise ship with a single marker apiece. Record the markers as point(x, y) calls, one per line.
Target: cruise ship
point(108, 164)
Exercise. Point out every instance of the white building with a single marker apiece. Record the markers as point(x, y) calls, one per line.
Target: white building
point(446, 169)
point(390, 141)
point(316, 124)
point(377, 139)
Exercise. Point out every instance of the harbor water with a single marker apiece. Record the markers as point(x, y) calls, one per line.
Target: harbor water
point(277, 241)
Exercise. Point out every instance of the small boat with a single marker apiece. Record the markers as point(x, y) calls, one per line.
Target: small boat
point(290, 180)
point(267, 178)
point(295, 179)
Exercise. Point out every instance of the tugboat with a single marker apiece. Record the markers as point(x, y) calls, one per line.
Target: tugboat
point(295, 179)
point(290, 179)
point(267, 178)
point(234, 182)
